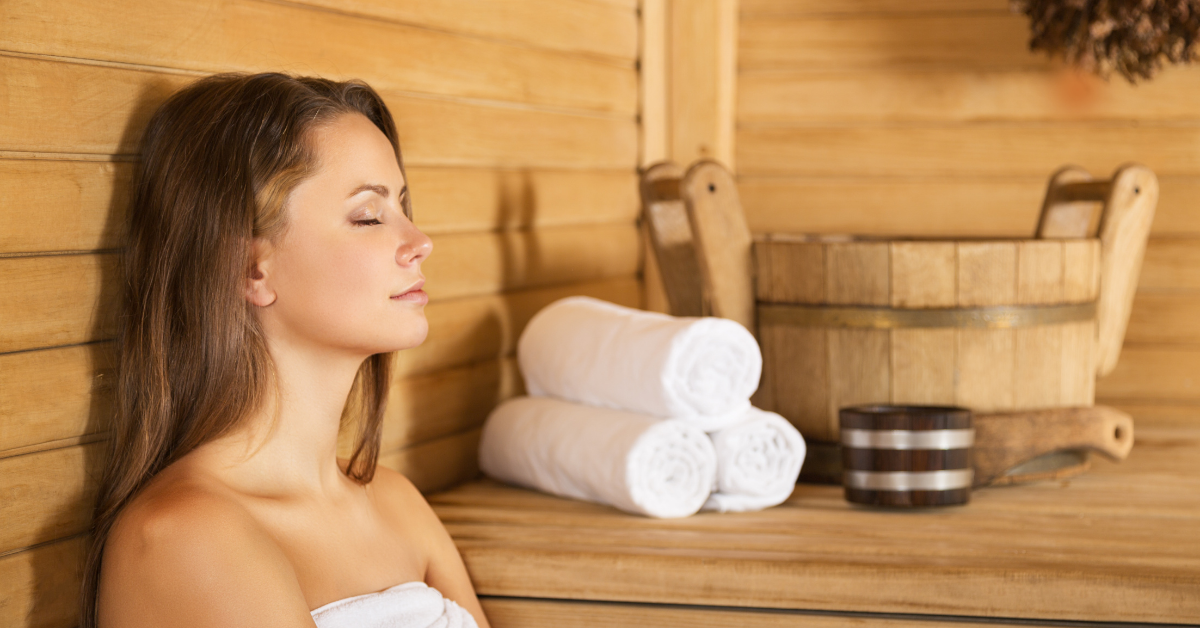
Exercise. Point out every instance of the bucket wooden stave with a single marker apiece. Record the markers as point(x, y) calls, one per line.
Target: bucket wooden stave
point(992, 325)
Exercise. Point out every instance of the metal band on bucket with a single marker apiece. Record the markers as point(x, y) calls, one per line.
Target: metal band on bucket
point(998, 317)
point(909, 480)
point(908, 439)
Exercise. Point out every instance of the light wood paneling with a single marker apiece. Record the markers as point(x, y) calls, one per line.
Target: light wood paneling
point(575, 26)
point(438, 464)
point(53, 395)
point(116, 102)
point(952, 150)
point(777, 8)
point(47, 495)
point(242, 35)
point(90, 199)
point(958, 206)
point(1165, 373)
point(56, 300)
point(963, 40)
point(1159, 318)
point(1171, 266)
point(910, 95)
point(39, 588)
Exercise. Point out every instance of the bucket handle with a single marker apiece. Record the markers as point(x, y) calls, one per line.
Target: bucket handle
point(1129, 200)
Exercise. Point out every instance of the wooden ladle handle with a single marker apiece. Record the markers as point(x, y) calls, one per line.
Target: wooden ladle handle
point(1005, 440)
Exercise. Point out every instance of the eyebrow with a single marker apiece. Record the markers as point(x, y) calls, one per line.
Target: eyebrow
point(381, 190)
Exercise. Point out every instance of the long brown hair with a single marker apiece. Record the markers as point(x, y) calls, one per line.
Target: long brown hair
point(218, 160)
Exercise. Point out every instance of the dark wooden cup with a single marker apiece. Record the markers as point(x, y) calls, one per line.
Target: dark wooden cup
point(906, 455)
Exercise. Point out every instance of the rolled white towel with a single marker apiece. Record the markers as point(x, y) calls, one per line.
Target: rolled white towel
point(758, 461)
point(637, 463)
point(699, 370)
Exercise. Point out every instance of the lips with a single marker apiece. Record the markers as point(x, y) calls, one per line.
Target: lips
point(415, 287)
point(413, 294)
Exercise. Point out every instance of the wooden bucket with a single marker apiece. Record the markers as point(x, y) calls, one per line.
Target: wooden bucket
point(998, 326)
point(994, 326)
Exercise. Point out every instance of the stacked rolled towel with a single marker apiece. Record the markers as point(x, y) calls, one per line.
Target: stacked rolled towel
point(758, 461)
point(699, 370)
point(637, 463)
point(622, 400)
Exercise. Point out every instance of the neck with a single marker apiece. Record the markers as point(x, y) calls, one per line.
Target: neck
point(289, 447)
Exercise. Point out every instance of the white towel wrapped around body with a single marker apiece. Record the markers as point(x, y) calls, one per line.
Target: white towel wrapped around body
point(758, 462)
point(408, 605)
point(636, 463)
point(699, 370)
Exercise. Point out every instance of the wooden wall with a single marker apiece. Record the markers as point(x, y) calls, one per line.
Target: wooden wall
point(518, 120)
point(929, 117)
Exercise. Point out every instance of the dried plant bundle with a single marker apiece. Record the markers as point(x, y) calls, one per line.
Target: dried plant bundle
point(1130, 37)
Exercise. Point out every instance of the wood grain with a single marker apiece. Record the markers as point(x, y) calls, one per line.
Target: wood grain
point(54, 394)
point(56, 300)
point(438, 464)
point(597, 28)
point(1112, 545)
point(1171, 266)
point(723, 245)
point(1162, 373)
point(963, 206)
point(964, 149)
point(776, 8)
point(961, 95)
point(702, 67)
point(114, 103)
point(1164, 319)
point(240, 35)
point(959, 40)
point(40, 587)
point(48, 495)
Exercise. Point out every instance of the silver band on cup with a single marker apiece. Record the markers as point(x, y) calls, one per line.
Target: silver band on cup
point(909, 480)
point(908, 439)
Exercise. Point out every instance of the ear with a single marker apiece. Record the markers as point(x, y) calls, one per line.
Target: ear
point(258, 282)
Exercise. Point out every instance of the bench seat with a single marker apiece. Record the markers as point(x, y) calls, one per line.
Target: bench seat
point(1117, 544)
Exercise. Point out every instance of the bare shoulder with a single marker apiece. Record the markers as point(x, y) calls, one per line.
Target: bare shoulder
point(400, 499)
point(184, 553)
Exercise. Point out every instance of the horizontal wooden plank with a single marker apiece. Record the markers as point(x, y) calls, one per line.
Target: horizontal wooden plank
point(962, 95)
point(587, 27)
point(777, 8)
point(440, 464)
point(475, 264)
point(429, 407)
point(965, 40)
point(522, 613)
point(40, 312)
point(1171, 265)
point(966, 149)
point(1153, 373)
point(89, 200)
point(55, 394)
point(92, 198)
point(39, 588)
point(1156, 415)
point(961, 206)
point(111, 106)
point(475, 329)
point(249, 36)
point(57, 300)
point(1096, 557)
point(454, 200)
point(1164, 318)
point(47, 495)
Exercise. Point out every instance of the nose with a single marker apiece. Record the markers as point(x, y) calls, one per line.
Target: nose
point(414, 247)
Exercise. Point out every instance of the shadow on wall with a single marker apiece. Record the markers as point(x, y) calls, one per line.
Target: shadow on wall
point(436, 413)
point(57, 569)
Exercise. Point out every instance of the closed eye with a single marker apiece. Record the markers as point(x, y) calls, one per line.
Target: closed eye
point(367, 223)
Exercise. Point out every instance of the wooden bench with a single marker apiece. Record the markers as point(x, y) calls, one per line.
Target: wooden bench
point(1118, 544)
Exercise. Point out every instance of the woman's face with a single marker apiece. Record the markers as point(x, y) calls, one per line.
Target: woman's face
point(346, 275)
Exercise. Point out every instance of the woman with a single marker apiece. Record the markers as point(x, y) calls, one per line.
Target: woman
point(272, 267)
